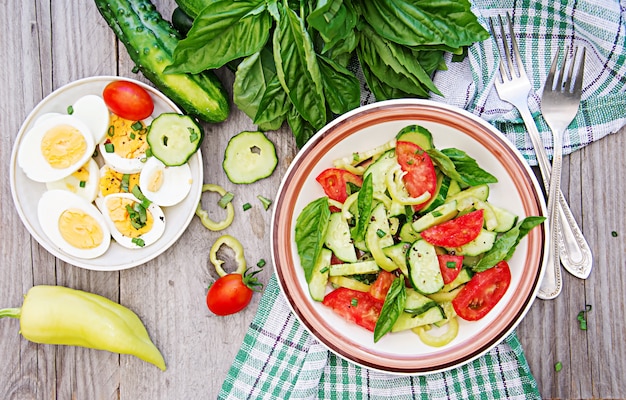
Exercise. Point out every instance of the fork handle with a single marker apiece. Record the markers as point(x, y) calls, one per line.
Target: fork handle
point(574, 253)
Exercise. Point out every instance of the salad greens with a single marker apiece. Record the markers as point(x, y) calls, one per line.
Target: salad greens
point(292, 57)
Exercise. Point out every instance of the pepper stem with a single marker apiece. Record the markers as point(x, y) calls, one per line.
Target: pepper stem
point(11, 312)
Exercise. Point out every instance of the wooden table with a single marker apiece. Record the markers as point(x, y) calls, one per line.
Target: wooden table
point(47, 44)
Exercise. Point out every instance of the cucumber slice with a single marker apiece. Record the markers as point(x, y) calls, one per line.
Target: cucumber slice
point(357, 268)
point(464, 276)
point(407, 233)
point(319, 276)
point(483, 243)
point(505, 218)
point(397, 254)
point(424, 272)
point(174, 138)
point(338, 238)
point(480, 192)
point(379, 169)
point(409, 321)
point(249, 157)
point(441, 214)
point(378, 236)
point(417, 303)
point(416, 134)
point(437, 199)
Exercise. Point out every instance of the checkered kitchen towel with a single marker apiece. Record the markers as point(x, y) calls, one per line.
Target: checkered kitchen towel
point(280, 360)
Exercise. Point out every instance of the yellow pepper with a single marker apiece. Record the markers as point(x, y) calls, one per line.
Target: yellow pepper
point(204, 215)
point(236, 246)
point(64, 316)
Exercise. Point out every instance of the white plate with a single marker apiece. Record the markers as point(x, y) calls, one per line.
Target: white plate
point(366, 128)
point(26, 193)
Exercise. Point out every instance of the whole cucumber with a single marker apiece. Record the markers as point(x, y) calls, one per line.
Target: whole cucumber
point(150, 41)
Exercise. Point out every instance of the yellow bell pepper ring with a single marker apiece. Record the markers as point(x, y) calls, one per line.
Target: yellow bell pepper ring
point(63, 316)
point(204, 215)
point(236, 246)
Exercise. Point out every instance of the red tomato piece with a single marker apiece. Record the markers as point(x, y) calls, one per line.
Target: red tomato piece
point(128, 100)
point(482, 292)
point(232, 293)
point(456, 232)
point(334, 181)
point(420, 172)
point(450, 266)
point(354, 306)
point(381, 285)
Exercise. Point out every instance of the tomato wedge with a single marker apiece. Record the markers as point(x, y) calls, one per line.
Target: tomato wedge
point(450, 266)
point(381, 285)
point(335, 181)
point(456, 232)
point(354, 306)
point(420, 172)
point(482, 292)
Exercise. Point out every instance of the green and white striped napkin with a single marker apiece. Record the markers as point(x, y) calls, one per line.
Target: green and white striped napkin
point(279, 359)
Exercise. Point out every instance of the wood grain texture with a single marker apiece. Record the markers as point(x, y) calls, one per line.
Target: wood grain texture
point(49, 43)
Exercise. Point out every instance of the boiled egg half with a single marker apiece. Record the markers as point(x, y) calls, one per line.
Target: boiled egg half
point(133, 223)
point(165, 186)
point(124, 146)
point(84, 181)
point(73, 224)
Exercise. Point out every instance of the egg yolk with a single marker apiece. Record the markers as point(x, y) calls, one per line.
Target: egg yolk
point(127, 137)
point(63, 146)
point(115, 182)
point(80, 229)
point(156, 181)
point(81, 175)
point(122, 220)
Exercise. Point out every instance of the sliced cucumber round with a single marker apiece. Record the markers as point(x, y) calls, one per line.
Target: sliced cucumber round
point(249, 157)
point(174, 138)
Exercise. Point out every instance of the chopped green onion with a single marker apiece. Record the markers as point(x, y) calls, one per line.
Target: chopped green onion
point(614, 234)
point(111, 131)
point(125, 182)
point(139, 242)
point(148, 153)
point(193, 135)
point(133, 216)
point(450, 264)
point(261, 263)
point(247, 206)
point(82, 184)
point(324, 270)
point(109, 148)
point(135, 69)
point(137, 126)
point(437, 214)
point(354, 302)
point(380, 233)
point(356, 157)
point(558, 366)
point(70, 110)
point(582, 317)
point(265, 201)
point(145, 202)
point(132, 135)
point(227, 198)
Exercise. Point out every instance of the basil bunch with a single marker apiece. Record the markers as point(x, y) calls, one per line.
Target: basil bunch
point(292, 56)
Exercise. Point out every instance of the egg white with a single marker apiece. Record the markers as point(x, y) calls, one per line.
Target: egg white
point(149, 237)
point(92, 110)
point(90, 189)
point(49, 209)
point(175, 186)
point(31, 160)
point(46, 116)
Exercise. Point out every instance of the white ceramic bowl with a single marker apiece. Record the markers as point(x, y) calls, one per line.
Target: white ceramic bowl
point(365, 128)
point(26, 193)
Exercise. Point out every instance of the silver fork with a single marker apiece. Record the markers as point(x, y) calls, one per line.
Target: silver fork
point(559, 106)
point(514, 87)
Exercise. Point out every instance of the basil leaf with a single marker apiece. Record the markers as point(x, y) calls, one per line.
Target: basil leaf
point(334, 20)
point(223, 31)
point(505, 245)
point(341, 87)
point(301, 129)
point(415, 23)
point(364, 206)
point(392, 308)
point(468, 168)
point(274, 106)
point(297, 68)
point(310, 231)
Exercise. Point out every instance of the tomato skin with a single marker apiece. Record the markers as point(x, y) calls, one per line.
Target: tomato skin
point(456, 232)
point(364, 312)
point(450, 274)
point(420, 172)
point(381, 285)
point(482, 292)
point(128, 100)
point(228, 295)
point(334, 182)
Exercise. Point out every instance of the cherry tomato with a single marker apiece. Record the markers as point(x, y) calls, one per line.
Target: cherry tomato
point(482, 292)
point(335, 181)
point(354, 306)
point(381, 285)
point(128, 100)
point(456, 232)
point(420, 172)
point(231, 293)
point(450, 266)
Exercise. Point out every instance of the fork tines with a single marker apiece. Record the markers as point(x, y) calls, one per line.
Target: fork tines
point(518, 69)
point(566, 80)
